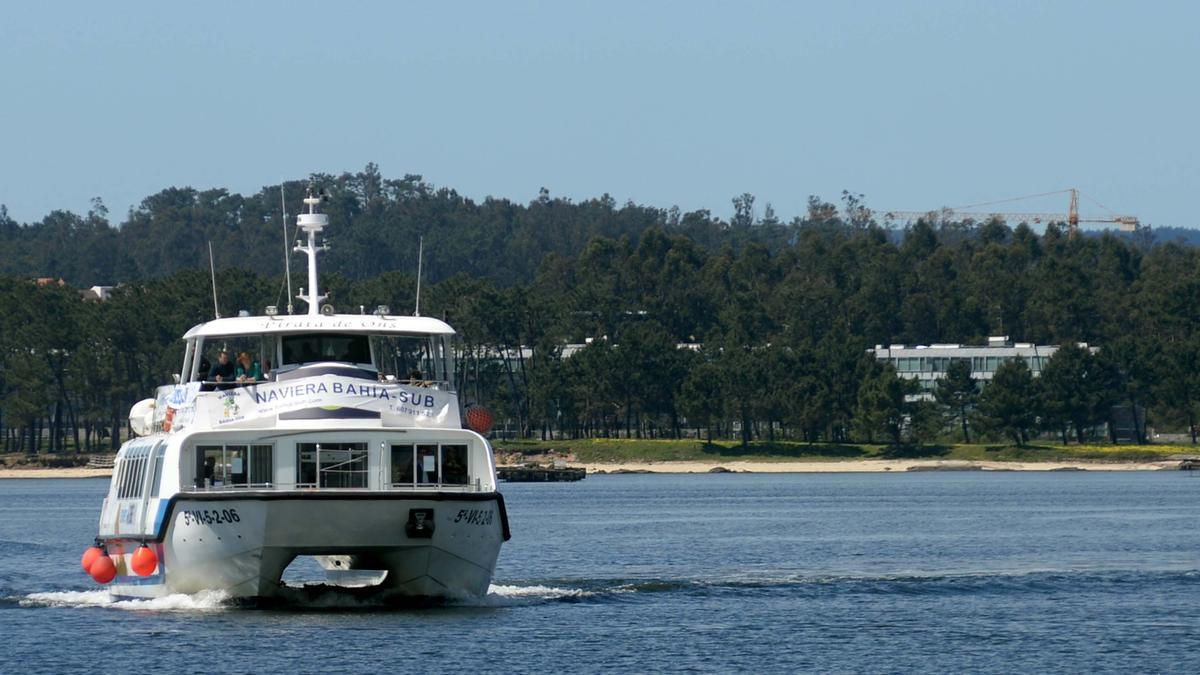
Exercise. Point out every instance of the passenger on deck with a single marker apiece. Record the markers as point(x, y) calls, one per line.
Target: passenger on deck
point(248, 369)
point(224, 370)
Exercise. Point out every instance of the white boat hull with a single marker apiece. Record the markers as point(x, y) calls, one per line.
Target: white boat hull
point(431, 544)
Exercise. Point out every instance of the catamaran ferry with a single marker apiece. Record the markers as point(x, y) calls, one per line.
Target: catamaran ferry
point(351, 449)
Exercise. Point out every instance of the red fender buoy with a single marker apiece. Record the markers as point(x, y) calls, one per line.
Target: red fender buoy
point(103, 570)
point(480, 419)
point(89, 557)
point(144, 561)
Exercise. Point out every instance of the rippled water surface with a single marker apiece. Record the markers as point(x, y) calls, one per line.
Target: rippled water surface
point(1009, 572)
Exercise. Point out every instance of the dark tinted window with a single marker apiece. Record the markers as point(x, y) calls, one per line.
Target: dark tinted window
point(402, 464)
point(454, 465)
point(299, 349)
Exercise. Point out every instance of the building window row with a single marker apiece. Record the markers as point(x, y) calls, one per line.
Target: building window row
point(979, 364)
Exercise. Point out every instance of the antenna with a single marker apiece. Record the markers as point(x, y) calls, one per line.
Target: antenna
point(312, 223)
point(287, 254)
point(212, 270)
point(420, 255)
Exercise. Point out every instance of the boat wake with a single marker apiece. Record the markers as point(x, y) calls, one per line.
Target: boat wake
point(535, 592)
point(502, 595)
point(305, 597)
point(814, 586)
point(203, 601)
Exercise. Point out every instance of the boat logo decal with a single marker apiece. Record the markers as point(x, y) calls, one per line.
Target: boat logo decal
point(183, 395)
point(230, 404)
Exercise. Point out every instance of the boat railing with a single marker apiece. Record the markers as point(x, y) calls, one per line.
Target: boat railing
point(269, 378)
point(215, 385)
point(231, 487)
point(476, 486)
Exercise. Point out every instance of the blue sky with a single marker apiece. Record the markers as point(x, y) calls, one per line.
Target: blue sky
point(916, 105)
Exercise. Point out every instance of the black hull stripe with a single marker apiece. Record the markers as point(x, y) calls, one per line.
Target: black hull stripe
point(343, 371)
point(326, 414)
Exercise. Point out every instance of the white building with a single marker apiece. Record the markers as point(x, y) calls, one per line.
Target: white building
point(928, 363)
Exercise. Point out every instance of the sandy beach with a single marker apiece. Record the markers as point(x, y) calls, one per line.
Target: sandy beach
point(73, 472)
point(848, 466)
point(874, 465)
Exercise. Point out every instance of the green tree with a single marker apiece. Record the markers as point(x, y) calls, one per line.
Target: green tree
point(925, 423)
point(1178, 382)
point(701, 399)
point(1006, 404)
point(957, 394)
point(882, 404)
point(1074, 389)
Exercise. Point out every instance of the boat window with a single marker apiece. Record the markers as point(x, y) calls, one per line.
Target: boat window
point(212, 465)
point(331, 465)
point(454, 464)
point(234, 465)
point(157, 469)
point(429, 464)
point(309, 348)
point(126, 477)
point(139, 472)
point(260, 348)
point(131, 473)
point(403, 472)
point(412, 359)
point(262, 464)
point(122, 469)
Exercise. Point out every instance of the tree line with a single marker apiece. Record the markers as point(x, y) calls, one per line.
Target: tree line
point(378, 222)
point(748, 328)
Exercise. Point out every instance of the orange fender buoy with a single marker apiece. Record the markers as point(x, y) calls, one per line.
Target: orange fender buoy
point(89, 557)
point(103, 570)
point(144, 561)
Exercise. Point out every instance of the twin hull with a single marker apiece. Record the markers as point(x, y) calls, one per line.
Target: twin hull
point(431, 544)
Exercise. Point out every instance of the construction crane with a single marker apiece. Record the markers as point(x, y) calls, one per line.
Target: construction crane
point(1124, 222)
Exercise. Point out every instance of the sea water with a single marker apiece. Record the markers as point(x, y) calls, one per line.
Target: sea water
point(949, 572)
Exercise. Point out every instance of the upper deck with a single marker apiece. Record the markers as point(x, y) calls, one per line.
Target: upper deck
point(301, 372)
point(315, 370)
point(371, 324)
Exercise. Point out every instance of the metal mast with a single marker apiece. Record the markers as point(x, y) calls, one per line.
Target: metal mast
point(312, 223)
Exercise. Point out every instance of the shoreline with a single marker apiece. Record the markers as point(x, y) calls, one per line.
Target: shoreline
point(66, 472)
point(867, 466)
point(742, 466)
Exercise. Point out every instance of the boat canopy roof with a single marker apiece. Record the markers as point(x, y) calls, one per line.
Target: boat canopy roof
point(335, 323)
